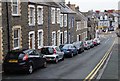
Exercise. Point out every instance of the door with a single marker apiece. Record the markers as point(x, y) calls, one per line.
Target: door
point(31, 41)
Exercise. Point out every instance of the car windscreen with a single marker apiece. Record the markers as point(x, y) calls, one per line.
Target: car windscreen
point(66, 47)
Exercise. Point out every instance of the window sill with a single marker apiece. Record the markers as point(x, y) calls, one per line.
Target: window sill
point(16, 15)
point(31, 24)
point(16, 48)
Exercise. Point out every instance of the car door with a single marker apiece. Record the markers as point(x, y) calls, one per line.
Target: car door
point(60, 54)
point(36, 58)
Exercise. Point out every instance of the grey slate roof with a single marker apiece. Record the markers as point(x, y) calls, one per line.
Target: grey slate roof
point(65, 9)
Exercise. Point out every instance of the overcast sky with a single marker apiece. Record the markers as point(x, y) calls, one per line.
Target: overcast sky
point(86, 5)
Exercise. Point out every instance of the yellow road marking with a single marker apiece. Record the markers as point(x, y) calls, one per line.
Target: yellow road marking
point(96, 69)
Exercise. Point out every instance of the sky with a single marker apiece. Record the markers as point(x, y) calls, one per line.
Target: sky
point(101, 5)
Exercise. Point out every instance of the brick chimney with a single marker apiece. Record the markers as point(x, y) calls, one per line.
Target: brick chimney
point(77, 8)
point(72, 6)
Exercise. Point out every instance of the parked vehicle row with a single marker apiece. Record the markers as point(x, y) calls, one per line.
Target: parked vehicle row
point(30, 59)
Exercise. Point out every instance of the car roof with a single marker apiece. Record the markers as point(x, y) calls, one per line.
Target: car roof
point(50, 46)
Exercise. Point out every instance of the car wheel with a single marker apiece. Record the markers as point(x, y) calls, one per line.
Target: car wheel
point(71, 55)
point(63, 58)
point(30, 69)
point(56, 61)
point(45, 64)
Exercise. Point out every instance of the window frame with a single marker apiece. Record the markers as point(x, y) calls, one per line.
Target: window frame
point(40, 15)
point(53, 15)
point(33, 15)
point(39, 38)
point(17, 7)
point(18, 38)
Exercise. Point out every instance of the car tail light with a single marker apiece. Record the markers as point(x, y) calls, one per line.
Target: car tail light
point(25, 57)
point(54, 51)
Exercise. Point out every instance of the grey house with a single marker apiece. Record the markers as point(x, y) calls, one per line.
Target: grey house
point(80, 24)
point(67, 24)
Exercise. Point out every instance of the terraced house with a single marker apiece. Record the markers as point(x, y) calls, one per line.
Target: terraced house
point(29, 25)
point(80, 23)
point(1, 44)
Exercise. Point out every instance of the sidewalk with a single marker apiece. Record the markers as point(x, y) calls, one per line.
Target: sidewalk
point(111, 70)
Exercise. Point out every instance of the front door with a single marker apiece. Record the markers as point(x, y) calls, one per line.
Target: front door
point(31, 41)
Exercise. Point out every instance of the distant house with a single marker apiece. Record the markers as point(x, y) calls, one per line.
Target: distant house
point(80, 22)
point(67, 24)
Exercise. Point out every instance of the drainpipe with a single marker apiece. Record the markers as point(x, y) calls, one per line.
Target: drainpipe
point(49, 19)
point(8, 30)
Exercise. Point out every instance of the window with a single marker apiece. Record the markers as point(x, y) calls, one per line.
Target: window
point(61, 20)
point(65, 20)
point(15, 7)
point(61, 37)
point(40, 14)
point(65, 36)
point(58, 15)
point(40, 38)
point(53, 38)
point(78, 25)
point(31, 15)
point(16, 38)
point(53, 15)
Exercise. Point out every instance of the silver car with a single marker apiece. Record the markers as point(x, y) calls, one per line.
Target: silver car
point(52, 53)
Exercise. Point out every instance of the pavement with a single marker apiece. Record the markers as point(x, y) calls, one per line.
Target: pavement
point(111, 71)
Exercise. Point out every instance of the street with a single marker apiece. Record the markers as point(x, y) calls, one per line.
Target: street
point(77, 67)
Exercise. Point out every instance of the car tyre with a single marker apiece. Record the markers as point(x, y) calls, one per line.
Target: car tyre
point(30, 69)
point(56, 61)
point(45, 64)
point(71, 55)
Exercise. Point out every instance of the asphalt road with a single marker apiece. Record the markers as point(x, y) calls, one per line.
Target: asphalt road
point(77, 67)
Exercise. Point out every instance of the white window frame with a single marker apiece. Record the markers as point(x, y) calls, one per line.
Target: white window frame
point(53, 15)
point(40, 15)
point(32, 32)
point(19, 36)
point(54, 39)
point(60, 37)
point(58, 15)
point(17, 7)
point(78, 25)
point(61, 20)
point(65, 36)
point(65, 20)
point(33, 20)
point(41, 38)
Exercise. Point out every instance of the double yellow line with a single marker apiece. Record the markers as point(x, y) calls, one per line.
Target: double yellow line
point(99, 65)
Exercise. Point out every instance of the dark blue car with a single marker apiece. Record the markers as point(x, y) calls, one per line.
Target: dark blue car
point(69, 50)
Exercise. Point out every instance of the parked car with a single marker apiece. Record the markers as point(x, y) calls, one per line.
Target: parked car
point(97, 41)
point(61, 46)
point(69, 50)
point(23, 60)
point(79, 45)
point(91, 43)
point(86, 45)
point(52, 53)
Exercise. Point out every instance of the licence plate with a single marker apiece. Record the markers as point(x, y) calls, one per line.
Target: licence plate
point(13, 61)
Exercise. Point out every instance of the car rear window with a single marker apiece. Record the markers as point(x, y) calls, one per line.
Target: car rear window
point(15, 55)
point(46, 51)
